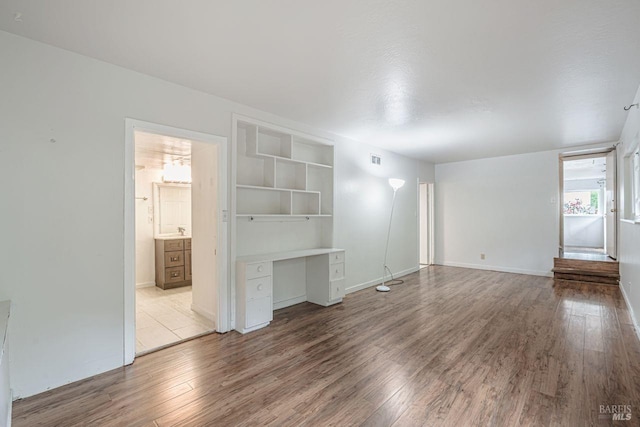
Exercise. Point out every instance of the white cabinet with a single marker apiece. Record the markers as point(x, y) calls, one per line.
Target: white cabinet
point(323, 270)
point(282, 173)
point(254, 299)
point(325, 278)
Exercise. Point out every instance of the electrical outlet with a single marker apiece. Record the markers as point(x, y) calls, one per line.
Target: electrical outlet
point(482, 256)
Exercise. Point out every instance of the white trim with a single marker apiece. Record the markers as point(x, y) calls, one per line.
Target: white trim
point(289, 302)
point(131, 125)
point(497, 268)
point(145, 285)
point(374, 282)
point(10, 411)
point(631, 312)
point(203, 312)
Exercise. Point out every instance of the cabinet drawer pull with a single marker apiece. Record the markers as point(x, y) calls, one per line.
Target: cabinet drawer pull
point(175, 274)
point(260, 268)
point(260, 287)
point(175, 258)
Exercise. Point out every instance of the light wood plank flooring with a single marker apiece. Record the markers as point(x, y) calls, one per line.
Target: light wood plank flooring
point(164, 317)
point(450, 347)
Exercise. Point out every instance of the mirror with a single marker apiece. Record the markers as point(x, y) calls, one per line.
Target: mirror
point(171, 209)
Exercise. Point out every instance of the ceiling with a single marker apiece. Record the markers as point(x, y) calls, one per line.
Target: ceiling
point(441, 80)
point(153, 151)
point(595, 168)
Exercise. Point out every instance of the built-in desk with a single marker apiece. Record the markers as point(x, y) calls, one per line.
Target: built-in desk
point(314, 275)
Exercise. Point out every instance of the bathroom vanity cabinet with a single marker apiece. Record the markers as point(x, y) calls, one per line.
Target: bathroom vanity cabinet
point(173, 262)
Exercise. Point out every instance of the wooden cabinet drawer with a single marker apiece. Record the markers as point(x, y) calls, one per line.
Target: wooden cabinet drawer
point(336, 271)
point(258, 269)
point(173, 245)
point(258, 288)
point(259, 311)
point(187, 244)
point(336, 258)
point(175, 274)
point(337, 289)
point(173, 259)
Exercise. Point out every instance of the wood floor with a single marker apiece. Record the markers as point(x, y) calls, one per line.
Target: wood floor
point(450, 347)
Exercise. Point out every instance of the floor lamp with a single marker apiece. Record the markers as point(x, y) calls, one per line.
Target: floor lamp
point(395, 183)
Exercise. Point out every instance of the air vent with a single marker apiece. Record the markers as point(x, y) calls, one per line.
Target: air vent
point(376, 159)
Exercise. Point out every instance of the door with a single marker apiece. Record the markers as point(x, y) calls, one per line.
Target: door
point(611, 210)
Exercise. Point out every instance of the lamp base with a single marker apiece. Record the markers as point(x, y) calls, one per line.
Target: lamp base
point(383, 288)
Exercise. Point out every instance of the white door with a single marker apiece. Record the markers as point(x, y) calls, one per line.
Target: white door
point(611, 211)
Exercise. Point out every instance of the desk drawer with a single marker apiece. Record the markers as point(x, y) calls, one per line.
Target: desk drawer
point(258, 269)
point(173, 259)
point(336, 271)
point(175, 274)
point(173, 245)
point(258, 288)
point(336, 258)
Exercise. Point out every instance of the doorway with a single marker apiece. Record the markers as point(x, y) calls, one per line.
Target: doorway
point(169, 304)
point(175, 236)
point(425, 224)
point(587, 208)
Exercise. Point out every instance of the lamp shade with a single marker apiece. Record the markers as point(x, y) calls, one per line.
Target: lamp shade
point(396, 183)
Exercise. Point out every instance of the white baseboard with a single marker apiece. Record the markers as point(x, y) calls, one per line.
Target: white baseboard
point(206, 313)
point(634, 319)
point(291, 301)
point(497, 268)
point(377, 281)
point(145, 285)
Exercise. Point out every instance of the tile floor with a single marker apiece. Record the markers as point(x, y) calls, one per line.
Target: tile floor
point(165, 317)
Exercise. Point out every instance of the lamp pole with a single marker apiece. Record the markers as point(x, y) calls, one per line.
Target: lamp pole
point(383, 287)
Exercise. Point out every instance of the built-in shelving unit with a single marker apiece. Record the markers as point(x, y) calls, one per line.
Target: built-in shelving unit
point(282, 174)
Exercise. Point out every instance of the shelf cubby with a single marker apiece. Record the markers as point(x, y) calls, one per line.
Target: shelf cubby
point(273, 143)
point(290, 175)
point(305, 203)
point(260, 201)
point(320, 179)
point(311, 152)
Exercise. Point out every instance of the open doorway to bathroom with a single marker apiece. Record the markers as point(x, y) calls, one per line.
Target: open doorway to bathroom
point(172, 303)
point(588, 207)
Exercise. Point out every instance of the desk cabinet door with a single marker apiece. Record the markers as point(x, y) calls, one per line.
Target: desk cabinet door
point(337, 289)
point(259, 311)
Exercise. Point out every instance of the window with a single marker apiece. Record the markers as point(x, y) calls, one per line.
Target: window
point(585, 202)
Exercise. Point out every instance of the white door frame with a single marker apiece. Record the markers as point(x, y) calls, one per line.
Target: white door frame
point(567, 157)
point(430, 223)
point(222, 314)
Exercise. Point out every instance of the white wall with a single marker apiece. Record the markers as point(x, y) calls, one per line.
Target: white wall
point(363, 206)
point(145, 243)
point(628, 232)
point(64, 270)
point(504, 207)
point(585, 231)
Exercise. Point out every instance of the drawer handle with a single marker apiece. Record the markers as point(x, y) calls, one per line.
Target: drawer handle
point(260, 287)
point(337, 271)
point(175, 258)
point(260, 268)
point(337, 257)
point(175, 274)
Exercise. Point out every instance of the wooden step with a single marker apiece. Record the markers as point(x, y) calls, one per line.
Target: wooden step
point(583, 272)
point(605, 280)
point(601, 266)
point(562, 282)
